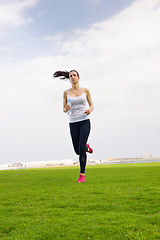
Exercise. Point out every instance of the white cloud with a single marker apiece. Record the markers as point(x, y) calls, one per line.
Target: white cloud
point(118, 60)
point(134, 31)
point(4, 34)
point(12, 13)
point(5, 49)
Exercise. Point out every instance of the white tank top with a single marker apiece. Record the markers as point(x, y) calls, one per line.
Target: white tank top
point(79, 105)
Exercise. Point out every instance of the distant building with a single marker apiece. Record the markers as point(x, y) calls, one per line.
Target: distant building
point(147, 156)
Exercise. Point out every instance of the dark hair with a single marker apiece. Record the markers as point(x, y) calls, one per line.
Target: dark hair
point(64, 74)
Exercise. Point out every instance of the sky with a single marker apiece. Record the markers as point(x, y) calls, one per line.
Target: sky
point(115, 47)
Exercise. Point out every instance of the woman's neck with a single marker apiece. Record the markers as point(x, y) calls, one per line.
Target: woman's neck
point(75, 87)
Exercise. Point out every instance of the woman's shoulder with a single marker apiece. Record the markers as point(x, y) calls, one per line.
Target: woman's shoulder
point(86, 90)
point(66, 92)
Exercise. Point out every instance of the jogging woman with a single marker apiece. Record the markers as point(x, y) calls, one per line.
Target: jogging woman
point(79, 121)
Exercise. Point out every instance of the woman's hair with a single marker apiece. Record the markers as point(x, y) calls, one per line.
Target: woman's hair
point(64, 74)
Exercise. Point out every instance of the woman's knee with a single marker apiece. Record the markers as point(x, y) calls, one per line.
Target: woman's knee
point(76, 151)
point(82, 150)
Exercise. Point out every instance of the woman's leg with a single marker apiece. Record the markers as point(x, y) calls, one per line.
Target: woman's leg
point(84, 134)
point(75, 134)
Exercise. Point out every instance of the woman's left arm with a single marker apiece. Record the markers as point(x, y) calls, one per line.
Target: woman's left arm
point(89, 99)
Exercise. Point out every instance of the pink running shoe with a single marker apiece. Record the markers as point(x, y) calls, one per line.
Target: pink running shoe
point(89, 150)
point(81, 178)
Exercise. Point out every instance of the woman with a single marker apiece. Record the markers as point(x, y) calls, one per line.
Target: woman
point(79, 122)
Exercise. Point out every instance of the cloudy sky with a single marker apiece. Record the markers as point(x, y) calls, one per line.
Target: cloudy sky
point(114, 45)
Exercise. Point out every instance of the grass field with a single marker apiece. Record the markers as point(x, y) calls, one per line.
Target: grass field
point(116, 202)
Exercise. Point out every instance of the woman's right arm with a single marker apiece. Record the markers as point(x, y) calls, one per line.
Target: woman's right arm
point(65, 101)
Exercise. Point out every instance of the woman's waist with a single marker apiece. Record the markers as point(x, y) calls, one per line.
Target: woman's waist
point(77, 111)
point(78, 117)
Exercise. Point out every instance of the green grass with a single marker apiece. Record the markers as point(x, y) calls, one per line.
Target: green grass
point(116, 202)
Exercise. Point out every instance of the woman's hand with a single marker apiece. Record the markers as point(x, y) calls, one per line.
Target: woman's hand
point(67, 108)
point(87, 111)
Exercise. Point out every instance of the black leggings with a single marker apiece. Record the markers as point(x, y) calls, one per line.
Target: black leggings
point(79, 134)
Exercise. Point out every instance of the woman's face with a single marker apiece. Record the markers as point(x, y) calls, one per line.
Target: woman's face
point(73, 77)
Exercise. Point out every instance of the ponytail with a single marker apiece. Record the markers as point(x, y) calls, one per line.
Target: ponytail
point(63, 74)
